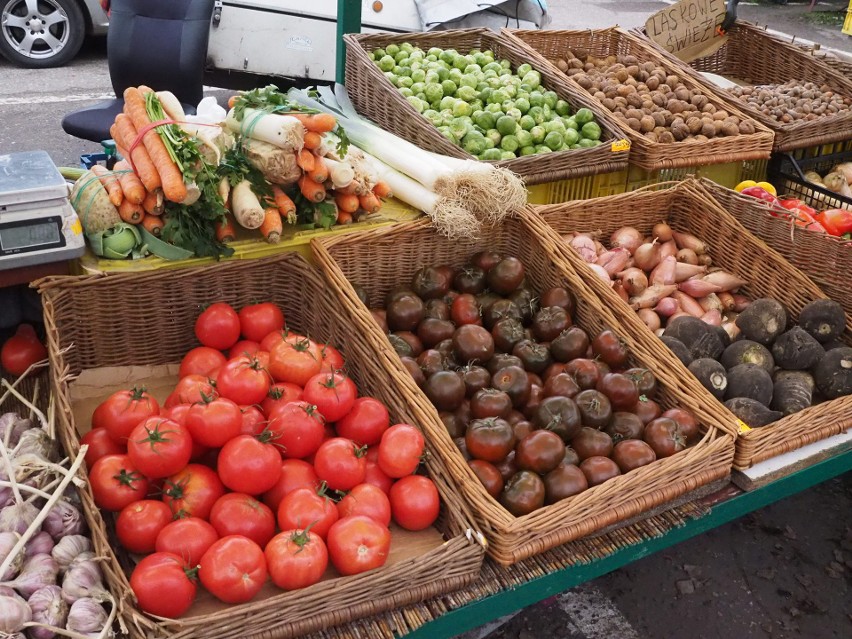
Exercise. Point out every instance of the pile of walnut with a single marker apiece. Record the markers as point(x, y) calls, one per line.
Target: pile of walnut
point(793, 101)
point(649, 100)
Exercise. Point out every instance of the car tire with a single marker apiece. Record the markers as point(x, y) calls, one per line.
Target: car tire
point(69, 30)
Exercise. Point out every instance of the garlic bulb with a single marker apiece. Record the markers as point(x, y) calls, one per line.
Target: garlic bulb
point(63, 519)
point(68, 549)
point(83, 579)
point(86, 615)
point(17, 517)
point(7, 543)
point(40, 543)
point(38, 571)
point(14, 613)
point(49, 608)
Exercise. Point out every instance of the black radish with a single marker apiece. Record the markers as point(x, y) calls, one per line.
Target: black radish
point(833, 373)
point(749, 380)
point(824, 319)
point(678, 348)
point(793, 391)
point(753, 413)
point(797, 350)
point(711, 374)
point(699, 337)
point(762, 321)
point(745, 351)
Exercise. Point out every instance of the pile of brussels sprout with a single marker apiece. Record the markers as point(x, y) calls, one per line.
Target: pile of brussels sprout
point(482, 105)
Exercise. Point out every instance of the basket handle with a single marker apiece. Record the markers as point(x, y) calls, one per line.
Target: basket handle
point(660, 186)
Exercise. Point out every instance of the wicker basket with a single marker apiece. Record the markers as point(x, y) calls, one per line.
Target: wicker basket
point(83, 312)
point(755, 56)
point(378, 100)
point(688, 207)
point(383, 259)
point(35, 387)
point(651, 156)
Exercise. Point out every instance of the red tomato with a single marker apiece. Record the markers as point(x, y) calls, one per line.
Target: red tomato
point(244, 347)
point(340, 463)
point(332, 359)
point(241, 514)
point(273, 338)
point(305, 508)
point(243, 380)
point(332, 393)
point(213, 423)
point(190, 390)
point(297, 429)
point(139, 523)
point(367, 500)
point(414, 502)
point(162, 585)
point(259, 320)
point(295, 361)
point(365, 423)
point(201, 360)
point(295, 473)
point(159, 447)
point(296, 559)
point(188, 538)
point(400, 450)
point(122, 411)
point(253, 420)
point(280, 394)
point(100, 444)
point(22, 350)
point(193, 491)
point(177, 413)
point(116, 482)
point(376, 476)
point(233, 569)
point(218, 326)
point(248, 464)
point(357, 544)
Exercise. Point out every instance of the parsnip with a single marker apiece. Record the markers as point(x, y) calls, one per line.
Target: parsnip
point(246, 207)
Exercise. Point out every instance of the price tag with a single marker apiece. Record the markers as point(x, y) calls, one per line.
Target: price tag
point(76, 227)
point(743, 427)
point(620, 145)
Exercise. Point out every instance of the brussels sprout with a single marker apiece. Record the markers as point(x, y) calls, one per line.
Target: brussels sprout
point(541, 148)
point(406, 92)
point(418, 87)
point(401, 57)
point(449, 88)
point(547, 112)
point(522, 105)
point(506, 125)
point(496, 109)
point(498, 96)
point(455, 75)
point(489, 143)
point(492, 66)
point(405, 71)
point(527, 150)
point(553, 140)
point(509, 143)
point(554, 125)
point(515, 114)
point(504, 73)
point(431, 58)
point(491, 154)
point(494, 83)
point(448, 102)
point(485, 120)
point(506, 64)
point(571, 137)
point(586, 143)
point(417, 103)
point(416, 56)
point(537, 114)
point(524, 69)
point(571, 123)
point(460, 128)
point(418, 75)
point(461, 108)
point(550, 99)
point(432, 77)
point(443, 74)
point(434, 92)
point(387, 63)
point(524, 137)
point(379, 53)
point(466, 93)
point(434, 117)
point(435, 51)
point(468, 81)
point(460, 62)
point(473, 142)
point(422, 96)
point(508, 155)
point(494, 136)
point(472, 69)
point(508, 104)
point(527, 122)
point(392, 49)
point(536, 99)
point(407, 47)
point(391, 77)
point(476, 104)
point(584, 115)
point(538, 134)
point(448, 55)
point(562, 107)
point(481, 59)
point(532, 79)
point(510, 90)
point(489, 75)
point(591, 131)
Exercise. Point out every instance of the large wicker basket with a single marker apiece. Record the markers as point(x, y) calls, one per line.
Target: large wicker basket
point(88, 314)
point(648, 155)
point(753, 55)
point(382, 259)
point(377, 99)
point(689, 207)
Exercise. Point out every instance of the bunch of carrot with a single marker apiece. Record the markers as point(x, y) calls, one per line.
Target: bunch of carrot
point(135, 204)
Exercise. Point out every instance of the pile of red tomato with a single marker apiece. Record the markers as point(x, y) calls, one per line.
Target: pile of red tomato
point(261, 463)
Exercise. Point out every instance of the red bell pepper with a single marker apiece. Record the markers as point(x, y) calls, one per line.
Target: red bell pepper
point(837, 222)
point(761, 194)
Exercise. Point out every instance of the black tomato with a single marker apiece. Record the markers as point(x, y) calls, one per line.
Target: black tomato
point(412, 340)
point(624, 425)
point(564, 481)
point(646, 409)
point(490, 439)
point(664, 436)
point(599, 469)
point(432, 331)
point(644, 380)
point(541, 451)
point(632, 454)
point(472, 344)
point(560, 415)
point(609, 347)
point(559, 296)
point(535, 356)
point(485, 260)
point(470, 279)
point(686, 421)
point(507, 333)
point(437, 309)
point(584, 371)
point(513, 381)
point(523, 493)
point(402, 347)
point(453, 424)
point(445, 390)
point(431, 362)
point(621, 390)
point(405, 313)
point(501, 361)
point(488, 475)
point(500, 310)
point(414, 370)
point(505, 276)
point(525, 300)
point(550, 322)
point(507, 467)
point(475, 378)
point(571, 343)
point(430, 283)
point(595, 408)
point(465, 310)
point(562, 385)
point(590, 442)
point(490, 402)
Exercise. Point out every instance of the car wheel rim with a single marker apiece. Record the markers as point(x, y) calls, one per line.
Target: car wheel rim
point(35, 29)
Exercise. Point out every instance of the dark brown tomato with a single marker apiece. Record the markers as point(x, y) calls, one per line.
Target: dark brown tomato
point(488, 476)
point(645, 380)
point(550, 322)
point(490, 439)
point(500, 310)
point(437, 309)
point(507, 333)
point(535, 356)
point(570, 344)
point(486, 260)
point(571, 457)
point(361, 292)
point(453, 424)
point(431, 331)
point(632, 454)
point(501, 361)
point(472, 344)
point(646, 409)
point(465, 310)
point(534, 379)
point(490, 402)
point(541, 451)
point(414, 370)
point(599, 469)
point(525, 300)
point(397, 293)
point(559, 296)
point(584, 371)
point(591, 442)
point(450, 297)
point(560, 415)
point(445, 390)
point(522, 429)
point(603, 368)
point(564, 481)
point(470, 279)
point(445, 348)
point(513, 381)
point(402, 347)
point(475, 378)
point(412, 340)
point(486, 299)
point(448, 272)
point(405, 313)
point(380, 317)
point(595, 408)
point(523, 493)
point(664, 436)
point(505, 276)
point(554, 369)
point(515, 416)
point(533, 402)
point(431, 362)
point(430, 283)
point(507, 467)
point(561, 385)
point(609, 347)
point(686, 421)
point(621, 390)
point(624, 425)
point(461, 444)
point(463, 414)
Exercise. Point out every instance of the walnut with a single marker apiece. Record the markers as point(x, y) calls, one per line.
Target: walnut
point(621, 75)
point(659, 118)
point(635, 100)
point(746, 127)
point(624, 90)
point(679, 129)
point(647, 124)
point(717, 126)
point(650, 135)
point(729, 128)
point(694, 124)
point(708, 129)
point(699, 100)
point(672, 81)
point(584, 81)
point(709, 108)
point(683, 94)
point(659, 99)
point(634, 124)
point(666, 137)
point(652, 82)
point(635, 113)
point(600, 95)
point(633, 70)
point(720, 115)
point(675, 106)
point(609, 103)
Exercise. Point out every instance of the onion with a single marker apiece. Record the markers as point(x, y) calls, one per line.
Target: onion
point(634, 279)
point(618, 287)
point(687, 256)
point(662, 232)
point(613, 261)
point(647, 256)
point(668, 248)
point(651, 319)
point(626, 237)
point(600, 271)
point(667, 307)
point(585, 246)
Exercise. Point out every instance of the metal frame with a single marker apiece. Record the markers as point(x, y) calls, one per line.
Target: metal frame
point(348, 21)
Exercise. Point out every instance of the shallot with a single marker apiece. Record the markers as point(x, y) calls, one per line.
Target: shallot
point(731, 329)
point(618, 287)
point(687, 256)
point(667, 307)
point(705, 260)
point(600, 271)
point(724, 280)
point(711, 302)
point(634, 279)
point(585, 246)
point(662, 231)
point(647, 256)
point(613, 261)
point(664, 272)
point(712, 317)
point(698, 288)
point(626, 237)
point(685, 240)
point(651, 296)
point(684, 271)
point(688, 304)
point(740, 302)
point(727, 301)
point(668, 248)
point(651, 319)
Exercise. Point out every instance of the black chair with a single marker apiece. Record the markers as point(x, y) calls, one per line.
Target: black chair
point(158, 43)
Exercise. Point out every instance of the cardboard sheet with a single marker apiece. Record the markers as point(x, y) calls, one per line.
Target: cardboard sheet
point(687, 29)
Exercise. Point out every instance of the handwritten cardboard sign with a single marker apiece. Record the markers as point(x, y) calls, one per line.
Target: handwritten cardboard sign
point(687, 29)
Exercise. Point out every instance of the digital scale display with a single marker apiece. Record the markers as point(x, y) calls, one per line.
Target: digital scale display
point(30, 235)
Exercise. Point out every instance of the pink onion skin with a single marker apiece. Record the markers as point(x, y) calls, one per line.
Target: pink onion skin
point(664, 272)
point(667, 307)
point(724, 280)
point(685, 240)
point(626, 237)
point(687, 256)
point(727, 301)
point(714, 317)
point(600, 249)
point(634, 279)
point(698, 288)
point(618, 287)
point(600, 271)
point(662, 231)
point(651, 296)
point(613, 261)
point(741, 302)
point(651, 319)
point(585, 246)
point(688, 304)
point(647, 256)
point(685, 271)
point(668, 248)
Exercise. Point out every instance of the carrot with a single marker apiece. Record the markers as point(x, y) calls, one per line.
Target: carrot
point(131, 185)
point(225, 229)
point(306, 160)
point(369, 202)
point(170, 175)
point(153, 202)
point(312, 140)
point(130, 212)
point(382, 190)
point(320, 172)
point(110, 183)
point(124, 134)
point(346, 202)
point(311, 190)
point(317, 123)
point(153, 224)
point(285, 205)
point(272, 227)
point(344, 218)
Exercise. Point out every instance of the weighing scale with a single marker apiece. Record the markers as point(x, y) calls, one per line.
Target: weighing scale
point(38, 225)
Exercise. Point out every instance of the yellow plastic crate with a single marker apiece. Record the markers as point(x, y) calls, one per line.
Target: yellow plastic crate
point(582, 188)
point(823, 149)
point(847, 24)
